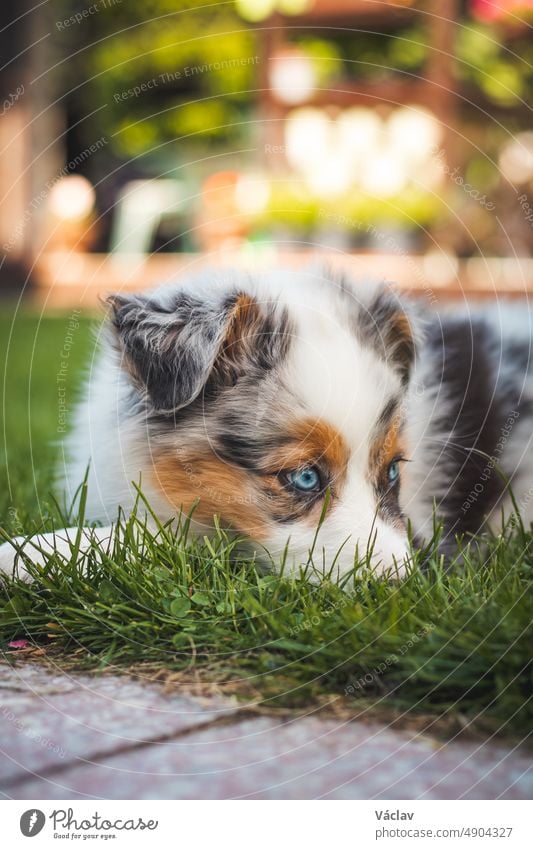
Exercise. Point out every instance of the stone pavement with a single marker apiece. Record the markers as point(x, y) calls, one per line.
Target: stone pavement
point(69, 736)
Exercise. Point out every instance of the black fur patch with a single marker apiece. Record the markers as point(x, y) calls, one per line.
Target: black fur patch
point(172, 350)
point(387, 494)
point(244, 443)
point(476, 404)
point(385, 327)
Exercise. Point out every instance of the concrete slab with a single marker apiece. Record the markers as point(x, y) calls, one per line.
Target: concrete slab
point(306, 758)
point(48, 720)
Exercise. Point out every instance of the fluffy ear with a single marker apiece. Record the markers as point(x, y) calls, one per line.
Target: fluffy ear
point(173, 349)
point(387, 327)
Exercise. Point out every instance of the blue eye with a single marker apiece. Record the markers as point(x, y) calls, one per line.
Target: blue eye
point(393, 471)
point(306, 479)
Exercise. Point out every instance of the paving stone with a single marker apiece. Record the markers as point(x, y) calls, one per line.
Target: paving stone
point(45, 727)
point(35, 679)
point(303, 758)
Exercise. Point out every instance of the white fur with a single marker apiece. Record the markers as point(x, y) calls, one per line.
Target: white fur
point(346, 385)
point(41, 547)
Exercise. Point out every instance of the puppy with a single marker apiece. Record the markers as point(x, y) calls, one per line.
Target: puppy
point(311, 415)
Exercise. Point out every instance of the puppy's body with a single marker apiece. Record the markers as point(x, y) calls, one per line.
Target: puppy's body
point(469, 422)
point(285, 400)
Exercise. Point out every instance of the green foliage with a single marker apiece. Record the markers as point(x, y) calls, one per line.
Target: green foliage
point(503, 73)
point(292, 205)
point(198, 60)
point(441, 642)
point(202, 65)
point(325, 55)
point(372, 55)
point(30, 353)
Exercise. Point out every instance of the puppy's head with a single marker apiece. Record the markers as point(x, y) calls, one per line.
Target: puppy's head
point(276, 405)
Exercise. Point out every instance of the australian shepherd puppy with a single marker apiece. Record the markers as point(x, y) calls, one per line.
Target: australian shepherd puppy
point(307, 413)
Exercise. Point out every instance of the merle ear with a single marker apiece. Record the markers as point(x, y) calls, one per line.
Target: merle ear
point(390, 330)
point(173, 347)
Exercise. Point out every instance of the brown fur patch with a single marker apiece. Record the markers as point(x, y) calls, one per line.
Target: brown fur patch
point(386, 447)
point(402, 341)
point(307, 442)
point(311, 441)
point(248, 502)
point(244, 325)
point(219, 488)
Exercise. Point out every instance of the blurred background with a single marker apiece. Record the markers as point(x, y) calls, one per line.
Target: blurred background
point(140, 138)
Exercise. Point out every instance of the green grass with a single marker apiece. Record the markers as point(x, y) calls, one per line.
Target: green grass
point(30, 357)
point(453, 644)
